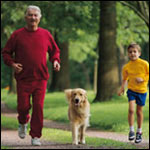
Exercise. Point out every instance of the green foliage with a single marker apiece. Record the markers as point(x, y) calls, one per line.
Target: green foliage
point(83, 47)
point(10, 99)
point(12, 19)
point(5, 74)
point(78, 23)
point(81, 74)
point(130, 28)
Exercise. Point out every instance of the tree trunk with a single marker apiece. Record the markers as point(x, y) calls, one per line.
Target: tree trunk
point(60, 80)
point(108, 80)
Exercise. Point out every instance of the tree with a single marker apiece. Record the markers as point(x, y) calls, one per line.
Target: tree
point(107, 84)
point(60, 80)
point(130, 28)
point(8, 26)
point(141, 8)
point(72, 16)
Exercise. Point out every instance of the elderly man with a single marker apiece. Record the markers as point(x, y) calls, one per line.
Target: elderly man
point(30, 45)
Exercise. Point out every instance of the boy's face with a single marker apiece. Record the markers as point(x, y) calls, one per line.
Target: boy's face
point(133, 54)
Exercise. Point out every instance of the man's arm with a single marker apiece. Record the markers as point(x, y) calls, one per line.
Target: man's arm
point(54, 52)
point(56, 65)
point(8, 50)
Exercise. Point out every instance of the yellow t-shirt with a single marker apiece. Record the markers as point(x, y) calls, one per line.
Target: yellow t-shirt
point(134, 69)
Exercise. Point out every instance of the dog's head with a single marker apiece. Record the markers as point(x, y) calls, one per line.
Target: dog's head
point(77, 97)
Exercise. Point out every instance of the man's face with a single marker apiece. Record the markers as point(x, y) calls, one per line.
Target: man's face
point(133, 54)
point(32, 18)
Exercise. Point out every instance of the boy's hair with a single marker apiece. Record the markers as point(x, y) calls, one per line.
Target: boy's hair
point(134, 45)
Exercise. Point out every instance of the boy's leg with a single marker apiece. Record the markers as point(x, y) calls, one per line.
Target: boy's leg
point(131, 113)
point(141, 99)
point(131, 119)
point(139, 112)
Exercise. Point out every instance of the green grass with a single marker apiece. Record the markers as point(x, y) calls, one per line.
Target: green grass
point(107, 116)
point(5, 147)
point(63, 137)
point(9, 123)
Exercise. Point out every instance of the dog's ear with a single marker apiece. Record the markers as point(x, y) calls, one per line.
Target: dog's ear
point(85, 96)
point(68, 93)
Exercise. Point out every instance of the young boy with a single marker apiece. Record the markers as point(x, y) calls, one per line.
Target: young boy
point(136, 73)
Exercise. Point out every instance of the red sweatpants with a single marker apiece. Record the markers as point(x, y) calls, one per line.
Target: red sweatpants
point(37, 90)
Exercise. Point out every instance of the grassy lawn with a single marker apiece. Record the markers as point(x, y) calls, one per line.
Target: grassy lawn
point(107, 116)
point(65, 137)
point(5, 147)
point(61, 136)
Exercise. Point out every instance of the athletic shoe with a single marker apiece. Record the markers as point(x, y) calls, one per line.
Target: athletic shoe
point(138, 137)
point(22, 130)
point(35, 141)
point(131, 135)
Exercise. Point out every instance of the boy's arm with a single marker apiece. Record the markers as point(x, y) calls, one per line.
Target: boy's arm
point(121, 91)
point(124, 81)
point(145, 78)
point(139, 79)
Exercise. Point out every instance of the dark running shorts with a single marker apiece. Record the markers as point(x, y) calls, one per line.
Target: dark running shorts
point(139, 97)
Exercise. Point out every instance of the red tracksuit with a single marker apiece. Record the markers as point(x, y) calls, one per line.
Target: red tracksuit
point(30, 50)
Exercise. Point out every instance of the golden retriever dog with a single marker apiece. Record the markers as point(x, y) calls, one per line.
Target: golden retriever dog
point(78, 113)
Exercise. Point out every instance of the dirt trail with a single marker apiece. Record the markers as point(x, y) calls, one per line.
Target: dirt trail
point(10, 138)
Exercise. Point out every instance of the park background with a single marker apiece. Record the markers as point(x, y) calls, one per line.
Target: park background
point(93, 37)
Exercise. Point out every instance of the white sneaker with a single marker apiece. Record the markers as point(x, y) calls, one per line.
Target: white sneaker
point(35, 141)
point(22, 130)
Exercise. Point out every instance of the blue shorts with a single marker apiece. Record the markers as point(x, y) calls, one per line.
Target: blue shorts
point(139, 97)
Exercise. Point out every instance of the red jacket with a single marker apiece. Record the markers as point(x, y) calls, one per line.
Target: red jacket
point(30, 49)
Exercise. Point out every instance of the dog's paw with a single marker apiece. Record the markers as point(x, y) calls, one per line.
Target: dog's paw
point(75, 143)
point(82, 142)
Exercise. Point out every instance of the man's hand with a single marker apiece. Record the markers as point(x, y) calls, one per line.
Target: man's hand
point(56, 66)
point(139, 80)
point(17, 67)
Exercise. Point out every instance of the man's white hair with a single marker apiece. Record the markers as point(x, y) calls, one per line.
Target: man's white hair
point(33, 7)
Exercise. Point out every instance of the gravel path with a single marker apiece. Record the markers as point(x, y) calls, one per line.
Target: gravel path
point(10, 138)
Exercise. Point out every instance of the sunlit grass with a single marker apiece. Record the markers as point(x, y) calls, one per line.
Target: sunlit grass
point(107, 116)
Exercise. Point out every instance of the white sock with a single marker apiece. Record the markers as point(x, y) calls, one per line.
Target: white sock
point(139, 130)
point(132, 128)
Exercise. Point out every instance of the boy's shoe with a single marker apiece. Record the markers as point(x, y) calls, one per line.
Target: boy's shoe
point(131, 135)
point(138, 137)
point(22, 130)
point(35, 141)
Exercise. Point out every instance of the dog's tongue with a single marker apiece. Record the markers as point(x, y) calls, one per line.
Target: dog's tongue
point(76, 104)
